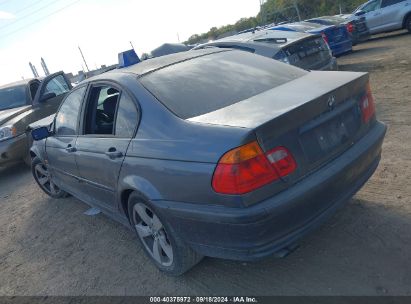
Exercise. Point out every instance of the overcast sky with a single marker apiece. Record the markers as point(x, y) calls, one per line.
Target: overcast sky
point(53, 29)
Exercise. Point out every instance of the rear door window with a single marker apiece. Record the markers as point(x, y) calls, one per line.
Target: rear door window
point(101, 110)
point(212, 82)
point(110, 112)
point(386, 3)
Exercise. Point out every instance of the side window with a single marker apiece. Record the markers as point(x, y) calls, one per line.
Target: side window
point(57, 85)
point(372, 6)
point(101, 110)
point(67, 117)
point(127, 117)
point(386, 3)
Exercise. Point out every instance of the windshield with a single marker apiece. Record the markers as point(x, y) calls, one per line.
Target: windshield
point(13, 97)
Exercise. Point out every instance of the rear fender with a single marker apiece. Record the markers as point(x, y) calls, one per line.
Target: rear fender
point(408, 15)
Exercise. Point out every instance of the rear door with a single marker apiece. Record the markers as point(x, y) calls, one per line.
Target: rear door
point(109, 123)
point(392, 16)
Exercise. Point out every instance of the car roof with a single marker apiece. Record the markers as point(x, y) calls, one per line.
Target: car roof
point(150, 65)
point(169, 48)
point(303, 26)
point(330, 18)
point(16, 83)
point(258, 38)
point(252, 36)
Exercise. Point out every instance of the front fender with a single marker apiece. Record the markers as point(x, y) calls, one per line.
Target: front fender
point(37, 149)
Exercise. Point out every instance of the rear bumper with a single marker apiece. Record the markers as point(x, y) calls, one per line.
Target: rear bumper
point(341, 47)
point(331, 66)
point(360, 37)
point(274, 225)
point(13, 149)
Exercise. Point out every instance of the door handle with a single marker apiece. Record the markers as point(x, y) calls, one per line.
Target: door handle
point(70, 149)
point(112, 153)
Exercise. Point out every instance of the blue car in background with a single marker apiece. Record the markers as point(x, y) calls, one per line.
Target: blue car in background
point(337, 36)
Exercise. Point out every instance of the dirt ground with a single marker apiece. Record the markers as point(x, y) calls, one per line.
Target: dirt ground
point(48, 247)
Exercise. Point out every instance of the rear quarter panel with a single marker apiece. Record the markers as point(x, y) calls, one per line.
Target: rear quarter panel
point(173, 159)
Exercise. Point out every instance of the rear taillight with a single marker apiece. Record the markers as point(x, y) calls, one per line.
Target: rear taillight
point(325, 37)
point(350, 27)
point(367, 105)
point(247, 168)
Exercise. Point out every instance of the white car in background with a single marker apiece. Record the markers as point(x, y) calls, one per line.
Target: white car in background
point(385, 15)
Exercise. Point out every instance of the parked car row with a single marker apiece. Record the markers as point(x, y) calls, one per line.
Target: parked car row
point(357, 29)
point(384, 15)
point(339, 32)
point(303, 50)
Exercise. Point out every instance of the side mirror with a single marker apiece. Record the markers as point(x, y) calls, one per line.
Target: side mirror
point(47, 96)
point(40, 133)
point(359, 13)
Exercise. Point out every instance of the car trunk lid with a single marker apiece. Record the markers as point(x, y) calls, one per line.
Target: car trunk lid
point(316, 117)
point(336, 34)
point(311, 53)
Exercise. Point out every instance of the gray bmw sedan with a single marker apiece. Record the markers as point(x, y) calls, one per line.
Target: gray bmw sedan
point(218, 153)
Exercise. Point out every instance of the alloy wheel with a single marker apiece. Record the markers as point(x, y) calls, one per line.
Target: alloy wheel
point(45, 180)
point(152, 234)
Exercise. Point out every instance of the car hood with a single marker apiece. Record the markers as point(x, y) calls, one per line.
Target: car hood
point(42, 122)
point(348, 17)
point(6, 115)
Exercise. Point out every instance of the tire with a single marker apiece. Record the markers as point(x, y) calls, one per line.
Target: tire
point(173, 256)
point(408, 24)
point(45, 180)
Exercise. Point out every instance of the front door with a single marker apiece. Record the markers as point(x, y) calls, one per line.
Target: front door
point(110, 117)
point(373, 15)
point(60, 147)
point(51, 92)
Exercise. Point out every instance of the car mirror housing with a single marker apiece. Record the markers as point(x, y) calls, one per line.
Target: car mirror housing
point(40, 133)
point(47, 96)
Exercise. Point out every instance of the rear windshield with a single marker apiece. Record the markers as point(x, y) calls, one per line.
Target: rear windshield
point(12, 97)
point(212, 82)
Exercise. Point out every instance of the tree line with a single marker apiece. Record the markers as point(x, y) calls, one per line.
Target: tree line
point(275, 11)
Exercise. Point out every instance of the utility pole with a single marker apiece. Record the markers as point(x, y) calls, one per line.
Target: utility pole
point(33, 70)
point(84, 59)
point(44, 66)
point(297, 10)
